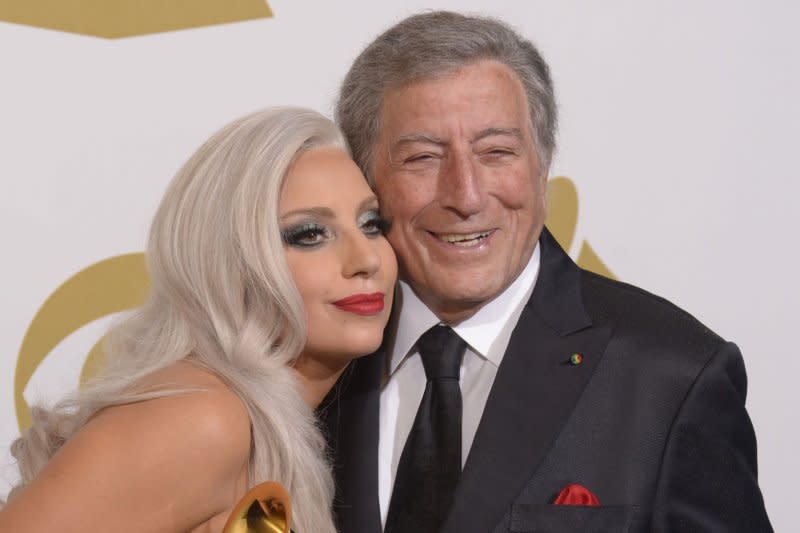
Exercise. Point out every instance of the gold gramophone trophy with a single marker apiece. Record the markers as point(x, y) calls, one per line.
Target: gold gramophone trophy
point(266, 508)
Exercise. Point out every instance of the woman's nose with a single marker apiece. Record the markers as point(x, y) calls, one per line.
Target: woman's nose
point(360, 256)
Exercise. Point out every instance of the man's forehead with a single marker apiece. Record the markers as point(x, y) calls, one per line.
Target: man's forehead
point(480, 99)
point(413, 78)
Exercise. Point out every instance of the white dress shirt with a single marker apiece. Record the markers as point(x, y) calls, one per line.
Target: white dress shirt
point(486, 333)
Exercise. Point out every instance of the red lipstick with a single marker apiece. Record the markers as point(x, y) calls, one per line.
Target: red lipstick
point(362, 304)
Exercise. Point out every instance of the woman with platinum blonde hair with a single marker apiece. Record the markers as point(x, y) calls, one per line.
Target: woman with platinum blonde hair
point(270, 274)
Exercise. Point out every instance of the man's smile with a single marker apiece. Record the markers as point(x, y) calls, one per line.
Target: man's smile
point(463, 240)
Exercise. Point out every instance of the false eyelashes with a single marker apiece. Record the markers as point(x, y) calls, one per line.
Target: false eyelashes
point(304, 235)
point(372, 223)
point(309, 234)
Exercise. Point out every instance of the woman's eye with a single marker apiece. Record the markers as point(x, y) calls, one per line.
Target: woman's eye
point(305, 235)
point(372, 224)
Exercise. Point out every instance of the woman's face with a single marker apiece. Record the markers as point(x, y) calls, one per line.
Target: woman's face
point(342, 265)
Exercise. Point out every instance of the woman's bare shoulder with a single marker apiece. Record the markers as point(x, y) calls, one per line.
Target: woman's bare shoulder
point(204, 409)
point(184, 374)
point(165, 464)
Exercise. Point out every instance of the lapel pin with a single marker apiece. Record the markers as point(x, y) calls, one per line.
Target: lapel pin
point(575, 359)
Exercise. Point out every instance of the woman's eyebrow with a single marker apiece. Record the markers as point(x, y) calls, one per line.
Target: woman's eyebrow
point(327, 212)
point(320, 211)
point(369, 201)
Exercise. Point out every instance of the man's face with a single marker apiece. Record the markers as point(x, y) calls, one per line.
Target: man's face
point(458, 177)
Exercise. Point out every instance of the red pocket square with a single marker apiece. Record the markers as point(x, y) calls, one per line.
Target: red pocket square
point(574, 494)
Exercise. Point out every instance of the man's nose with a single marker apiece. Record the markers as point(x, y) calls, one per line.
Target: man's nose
point(460, 188)
point(359, 257)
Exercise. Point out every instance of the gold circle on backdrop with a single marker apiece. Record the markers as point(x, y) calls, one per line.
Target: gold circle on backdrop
point(110, 286)
point(562, 219)
point(113, 19)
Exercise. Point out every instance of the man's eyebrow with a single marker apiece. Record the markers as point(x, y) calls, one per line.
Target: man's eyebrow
point(419, 138)
point(490, 132)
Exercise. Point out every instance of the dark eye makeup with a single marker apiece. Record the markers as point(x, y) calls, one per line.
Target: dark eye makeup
point(309, 234)
point(305, 234)
point(372, 224)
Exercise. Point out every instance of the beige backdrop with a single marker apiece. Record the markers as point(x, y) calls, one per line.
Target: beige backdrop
point(675, 170)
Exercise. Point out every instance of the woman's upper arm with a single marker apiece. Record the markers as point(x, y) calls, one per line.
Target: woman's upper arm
point(159, 465)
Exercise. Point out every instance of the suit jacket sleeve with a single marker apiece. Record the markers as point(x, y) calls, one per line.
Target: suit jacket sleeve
point(708, 478)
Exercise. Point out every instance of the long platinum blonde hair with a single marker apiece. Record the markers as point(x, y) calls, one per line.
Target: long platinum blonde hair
point(222, 296)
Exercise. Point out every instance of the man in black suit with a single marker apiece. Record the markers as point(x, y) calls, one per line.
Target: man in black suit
point(579, 403)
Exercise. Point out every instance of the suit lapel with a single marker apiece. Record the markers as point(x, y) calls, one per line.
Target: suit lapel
point(533, 395)
point(350, 413)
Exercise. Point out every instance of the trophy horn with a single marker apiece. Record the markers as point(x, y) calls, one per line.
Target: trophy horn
point(266, 508)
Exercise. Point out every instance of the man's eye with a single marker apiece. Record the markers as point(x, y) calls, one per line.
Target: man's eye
point(419, 158)
point(305, 235)
point(497, 152)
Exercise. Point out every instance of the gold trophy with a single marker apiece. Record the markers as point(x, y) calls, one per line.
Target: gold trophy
point(266, 508)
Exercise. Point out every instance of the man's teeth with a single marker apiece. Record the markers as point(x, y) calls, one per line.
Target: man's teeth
point(463, 239)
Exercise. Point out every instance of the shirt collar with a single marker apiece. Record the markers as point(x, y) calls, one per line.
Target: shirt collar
point(487, 332)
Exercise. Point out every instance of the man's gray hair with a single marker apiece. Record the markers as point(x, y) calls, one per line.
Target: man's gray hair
point(431, 45)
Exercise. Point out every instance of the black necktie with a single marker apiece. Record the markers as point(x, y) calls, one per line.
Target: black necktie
point(430, 465)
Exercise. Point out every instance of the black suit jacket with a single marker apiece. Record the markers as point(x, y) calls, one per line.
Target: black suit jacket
point(652, 421)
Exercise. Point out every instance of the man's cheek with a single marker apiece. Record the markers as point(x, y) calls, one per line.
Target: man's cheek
point(398, 241)
point(521, 194)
